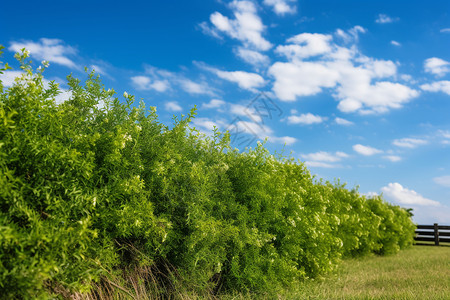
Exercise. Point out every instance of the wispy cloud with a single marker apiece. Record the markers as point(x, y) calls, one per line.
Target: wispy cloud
point(305, 119)
point(213, 104)
point(393, 158)
point(325, 156)
point(443, 180)
point(343, 122)
point(52, 50)
point(145, 83)
point(252, 57)
point(172, 106)
point(385, 19)
point(366, 150)
point(395, 43)
point(409, 142)
point(323, 159)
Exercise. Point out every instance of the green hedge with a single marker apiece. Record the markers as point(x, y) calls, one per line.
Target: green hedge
point(95, 185)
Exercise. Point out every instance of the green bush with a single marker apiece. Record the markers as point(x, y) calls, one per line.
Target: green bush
point(93, 187)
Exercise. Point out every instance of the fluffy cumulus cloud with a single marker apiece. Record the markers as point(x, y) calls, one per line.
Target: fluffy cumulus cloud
point(305, 119)
point(384, 19)
point(52, 50)
point(437, 66)
point(366, 150)
point(296, 79)
point(172, 106)
point(305, 45)
point(316, 63)
point(443, 180)
point(438, 86)
point(246, 26)
point(282, 7)
point(397, 193)
point(245, 80)
point(409, 142)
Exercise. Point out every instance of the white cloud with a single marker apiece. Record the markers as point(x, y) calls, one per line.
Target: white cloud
point(393, 158)
point(305, 45)
point(52, 50)
point(252, 57)
point(438, 86)
point(343, 122)
point(195, 88)
point(409, 142)
point(301, 79)
point(324, 159)
point(214, 103)
point(377, 98)
point(244, 111)
point(288, 140)
point(172, 106)
point(8, 77)
point(445, 30)
point(384, 19)
point(245, 80)
point(281, 7)
point(443, 180)
point(99, 70)
point(397, 193)
point(325, 156)
point(305, 119)
point(262, 131)
point(205, 124)
point(353, 77)
point(437, 66)
point(319, 164)
point(145, 83)
point(352, 35)
point(246, 26)
point(366, 150)
point(66, 95)
point(395, 43)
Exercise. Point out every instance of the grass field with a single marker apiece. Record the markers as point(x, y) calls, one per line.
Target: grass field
point(422, 272)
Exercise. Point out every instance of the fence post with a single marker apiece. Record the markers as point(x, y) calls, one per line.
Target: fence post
point(436, 234)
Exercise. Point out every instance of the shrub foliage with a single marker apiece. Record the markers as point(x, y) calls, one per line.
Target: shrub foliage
point(94, 185)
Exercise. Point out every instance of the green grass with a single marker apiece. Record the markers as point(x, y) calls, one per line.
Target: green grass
point(422, 272)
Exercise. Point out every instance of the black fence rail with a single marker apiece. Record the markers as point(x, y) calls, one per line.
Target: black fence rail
point(432, 233)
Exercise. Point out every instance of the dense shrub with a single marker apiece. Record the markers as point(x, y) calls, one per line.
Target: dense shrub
point(94, 186)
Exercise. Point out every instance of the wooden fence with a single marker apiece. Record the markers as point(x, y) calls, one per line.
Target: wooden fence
point(432, 233)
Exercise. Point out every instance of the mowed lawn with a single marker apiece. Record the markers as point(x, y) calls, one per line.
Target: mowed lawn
point(422, 272)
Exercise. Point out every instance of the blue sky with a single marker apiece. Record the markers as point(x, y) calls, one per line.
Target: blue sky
point(359, 90)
